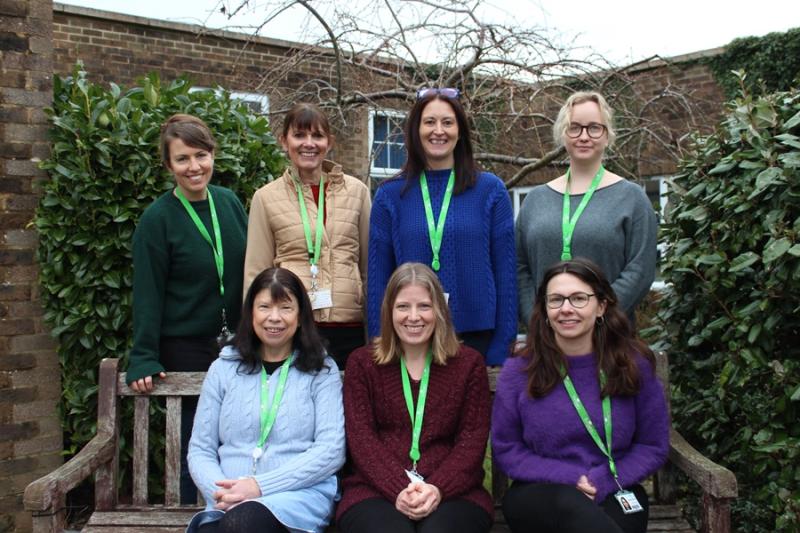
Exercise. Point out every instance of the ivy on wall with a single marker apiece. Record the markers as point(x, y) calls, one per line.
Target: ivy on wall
point(772, 63)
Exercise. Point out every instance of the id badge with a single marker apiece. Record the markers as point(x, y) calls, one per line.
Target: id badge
point(414, 477)
point(447, 296)
point(627, 500)
point(320, 299)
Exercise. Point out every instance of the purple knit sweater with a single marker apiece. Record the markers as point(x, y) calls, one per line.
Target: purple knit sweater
point(543, 440)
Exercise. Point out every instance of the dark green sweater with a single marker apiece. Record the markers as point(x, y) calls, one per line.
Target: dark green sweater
point(175, 281)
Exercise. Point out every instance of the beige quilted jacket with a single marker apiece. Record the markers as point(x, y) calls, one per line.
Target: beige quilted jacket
point(275, 238)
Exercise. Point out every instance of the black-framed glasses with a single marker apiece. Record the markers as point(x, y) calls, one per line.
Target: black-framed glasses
point(594, 130)
point(447, 92)
point(576, 300)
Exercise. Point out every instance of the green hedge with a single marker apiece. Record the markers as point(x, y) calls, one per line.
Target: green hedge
point(732, 309)
point(104, 171)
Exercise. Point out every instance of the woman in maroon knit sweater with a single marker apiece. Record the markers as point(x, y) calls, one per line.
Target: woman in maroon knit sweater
point(395, 486)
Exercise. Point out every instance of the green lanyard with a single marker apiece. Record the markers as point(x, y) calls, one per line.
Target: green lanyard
point(269, 412)
point(418, 414)
point(219, 260)
point(567, 224)
point(313, 247)
point(436, 229)
point(587, 421)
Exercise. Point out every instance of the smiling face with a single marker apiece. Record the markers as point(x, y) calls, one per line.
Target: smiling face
point(584, 148)
point(192, 168)
point(413, 317)
point(275, 323)
point(307, 149)
point(438, 132)
point(573, 327)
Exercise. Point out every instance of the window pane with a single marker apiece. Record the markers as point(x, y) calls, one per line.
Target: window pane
point(397, 155)
point(380, 127)
point(380, 156)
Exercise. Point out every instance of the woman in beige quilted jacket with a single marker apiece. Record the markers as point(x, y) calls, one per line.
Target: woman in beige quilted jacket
point(314, 221)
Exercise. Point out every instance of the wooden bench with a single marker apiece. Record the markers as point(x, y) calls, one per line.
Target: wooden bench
point(45, 498)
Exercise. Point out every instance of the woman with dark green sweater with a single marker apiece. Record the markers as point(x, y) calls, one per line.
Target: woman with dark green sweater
point(188, 258)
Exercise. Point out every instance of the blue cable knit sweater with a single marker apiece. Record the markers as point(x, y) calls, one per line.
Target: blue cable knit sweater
point(477, 256)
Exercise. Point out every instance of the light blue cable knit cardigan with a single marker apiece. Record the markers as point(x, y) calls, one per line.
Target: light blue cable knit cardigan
point(306, 447)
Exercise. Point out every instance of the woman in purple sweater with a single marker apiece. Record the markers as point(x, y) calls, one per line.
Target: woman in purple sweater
point(579, 416)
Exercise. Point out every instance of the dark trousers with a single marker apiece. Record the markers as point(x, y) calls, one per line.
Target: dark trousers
point(552, 508)
point(248, 517)
point(478, 340)
point(342, 341)
point(452, 516)
point(187, 354)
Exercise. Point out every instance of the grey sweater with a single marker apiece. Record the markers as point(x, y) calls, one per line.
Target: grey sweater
point(617, 230)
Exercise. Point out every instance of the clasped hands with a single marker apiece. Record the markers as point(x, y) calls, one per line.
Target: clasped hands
point(585, 486)
point(418, 500)
point(234, 492)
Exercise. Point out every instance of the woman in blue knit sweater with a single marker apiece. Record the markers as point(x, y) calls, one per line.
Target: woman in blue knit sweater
point(442, 211)
point(268, 436)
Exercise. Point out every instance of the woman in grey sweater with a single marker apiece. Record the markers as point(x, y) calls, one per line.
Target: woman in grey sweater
point(587, 212)
point(268, 435)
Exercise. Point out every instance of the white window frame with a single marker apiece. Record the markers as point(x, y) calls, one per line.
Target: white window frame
point(516, 198)
point(663, 192)
point(380, 172)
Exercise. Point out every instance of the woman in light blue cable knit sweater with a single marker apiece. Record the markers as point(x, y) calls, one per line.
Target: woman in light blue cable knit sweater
point(290, 485)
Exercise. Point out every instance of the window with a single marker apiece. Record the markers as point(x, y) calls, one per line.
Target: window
point(518, 195)
point(258, 103)
point(387, 143)
point(656, 189)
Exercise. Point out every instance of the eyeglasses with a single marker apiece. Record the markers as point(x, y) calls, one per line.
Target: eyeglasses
point(594, 130)
point(576, 300)
point(447, 92)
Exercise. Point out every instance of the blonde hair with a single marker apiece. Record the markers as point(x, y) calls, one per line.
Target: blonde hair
point(565, 115)
point(444, 343)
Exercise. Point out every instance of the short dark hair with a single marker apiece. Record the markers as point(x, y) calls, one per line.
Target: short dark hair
point(307, 341)
point(188, 128)
point(306, 117)
point(466, 169)
point(613, 341)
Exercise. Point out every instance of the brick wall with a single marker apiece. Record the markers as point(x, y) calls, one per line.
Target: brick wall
point(121, 48)
point(30, 433)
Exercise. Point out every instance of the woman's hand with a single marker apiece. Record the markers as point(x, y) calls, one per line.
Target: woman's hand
point(586, 487)
point(418, 500)
point(234, 492)
point(145, 384)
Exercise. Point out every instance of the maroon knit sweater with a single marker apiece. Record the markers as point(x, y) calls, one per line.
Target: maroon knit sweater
point(454, 431)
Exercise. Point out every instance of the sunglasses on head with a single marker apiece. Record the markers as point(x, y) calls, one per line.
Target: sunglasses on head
point(447, 92)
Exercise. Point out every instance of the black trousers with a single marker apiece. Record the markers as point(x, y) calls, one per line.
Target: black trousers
point(187, 354)
point(248, 517)
point(478, 340)
point(553, 508)
point(452, 516)
point(342, 341)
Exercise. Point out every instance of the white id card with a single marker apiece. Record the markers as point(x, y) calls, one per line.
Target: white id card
point(414, 477)
point(320, 299)
point(627, 500)
point(447, 294)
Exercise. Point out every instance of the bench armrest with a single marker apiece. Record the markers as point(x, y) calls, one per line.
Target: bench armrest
point(47, 491)
point(715, 480)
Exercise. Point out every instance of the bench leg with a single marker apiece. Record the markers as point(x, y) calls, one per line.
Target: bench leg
point(716, 514)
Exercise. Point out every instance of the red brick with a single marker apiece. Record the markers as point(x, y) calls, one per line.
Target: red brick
point(29, 343)
point(24, 326)
point(15, 432)
point(14, 8)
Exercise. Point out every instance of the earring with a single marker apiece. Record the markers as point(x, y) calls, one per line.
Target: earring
point(599, 321)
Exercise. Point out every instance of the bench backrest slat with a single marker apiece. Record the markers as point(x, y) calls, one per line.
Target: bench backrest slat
point(173, 451)
point(141, 433)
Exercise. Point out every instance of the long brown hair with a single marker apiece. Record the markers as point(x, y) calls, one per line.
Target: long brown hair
point(613, 340)
point(466, 171)
point(444, 343)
